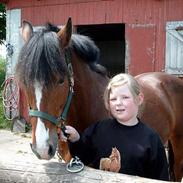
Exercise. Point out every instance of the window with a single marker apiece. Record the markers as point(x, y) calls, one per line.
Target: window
point(174, 48)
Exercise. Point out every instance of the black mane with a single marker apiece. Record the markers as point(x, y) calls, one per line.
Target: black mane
point(85, 48)
point(41, 58)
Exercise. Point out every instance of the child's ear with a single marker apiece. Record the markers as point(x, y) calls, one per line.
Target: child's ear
point(140, 98)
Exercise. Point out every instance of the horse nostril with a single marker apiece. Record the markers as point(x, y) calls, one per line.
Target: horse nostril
point(50, 150)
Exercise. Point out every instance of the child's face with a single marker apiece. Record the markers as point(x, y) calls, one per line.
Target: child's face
point(122, 104)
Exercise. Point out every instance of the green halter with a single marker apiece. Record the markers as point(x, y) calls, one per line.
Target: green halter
point(51, 118)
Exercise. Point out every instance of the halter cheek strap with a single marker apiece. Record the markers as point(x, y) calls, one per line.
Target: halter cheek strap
point(63, 116)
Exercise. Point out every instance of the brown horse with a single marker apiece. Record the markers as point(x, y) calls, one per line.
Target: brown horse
point(162, 110)
point(44, 70)
point(60, 76)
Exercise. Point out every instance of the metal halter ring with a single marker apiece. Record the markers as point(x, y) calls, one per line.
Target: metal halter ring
point(75, 165)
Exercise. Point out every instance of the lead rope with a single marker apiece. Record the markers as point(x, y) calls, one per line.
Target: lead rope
point(60, 159)
point(10, 97)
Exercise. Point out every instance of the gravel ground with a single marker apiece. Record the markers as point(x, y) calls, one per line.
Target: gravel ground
point(16, 146)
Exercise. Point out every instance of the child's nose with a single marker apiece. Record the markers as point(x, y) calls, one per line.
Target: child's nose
point(119, 101)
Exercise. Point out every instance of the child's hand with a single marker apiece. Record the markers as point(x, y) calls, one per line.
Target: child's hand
point(73, 135)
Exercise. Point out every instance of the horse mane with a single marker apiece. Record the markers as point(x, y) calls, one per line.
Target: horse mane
point(41, 59)
point(85, 48)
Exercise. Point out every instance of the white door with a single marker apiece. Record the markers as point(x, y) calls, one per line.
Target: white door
point(13, 38)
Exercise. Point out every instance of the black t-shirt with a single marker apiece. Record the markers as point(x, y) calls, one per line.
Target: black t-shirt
point(141, 149)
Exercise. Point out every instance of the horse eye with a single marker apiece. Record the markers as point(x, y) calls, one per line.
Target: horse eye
point(61, 81)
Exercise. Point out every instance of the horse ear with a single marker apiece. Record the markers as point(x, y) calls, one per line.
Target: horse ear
point(65, 33)
point(26, 31)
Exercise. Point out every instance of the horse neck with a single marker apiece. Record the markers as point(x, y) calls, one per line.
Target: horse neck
point(87, 105)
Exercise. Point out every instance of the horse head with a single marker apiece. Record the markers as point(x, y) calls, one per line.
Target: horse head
point(42, 71)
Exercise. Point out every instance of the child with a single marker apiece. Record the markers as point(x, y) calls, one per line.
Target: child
point(140, 148)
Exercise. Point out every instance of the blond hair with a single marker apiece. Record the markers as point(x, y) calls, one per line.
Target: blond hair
point(119, 80)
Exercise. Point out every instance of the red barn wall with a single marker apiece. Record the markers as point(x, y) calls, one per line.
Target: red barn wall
point(145, 22)
point(145, 25)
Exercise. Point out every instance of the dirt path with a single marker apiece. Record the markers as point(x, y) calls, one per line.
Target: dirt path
point(16, 145)
point(12, 144)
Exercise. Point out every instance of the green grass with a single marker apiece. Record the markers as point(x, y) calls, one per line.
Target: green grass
point(4, 123)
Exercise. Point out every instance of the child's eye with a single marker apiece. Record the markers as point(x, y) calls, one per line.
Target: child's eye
point(125, 97)
point(112, 99)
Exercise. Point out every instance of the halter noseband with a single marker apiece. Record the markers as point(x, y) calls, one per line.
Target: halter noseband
point(63, 116)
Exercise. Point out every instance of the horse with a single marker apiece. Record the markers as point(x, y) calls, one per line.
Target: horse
point(63, 84)
point(162, 110)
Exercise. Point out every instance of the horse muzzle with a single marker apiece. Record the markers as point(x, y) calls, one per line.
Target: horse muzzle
point(47, 153)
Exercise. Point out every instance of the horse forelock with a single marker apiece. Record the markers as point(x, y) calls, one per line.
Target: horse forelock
point(41, 59)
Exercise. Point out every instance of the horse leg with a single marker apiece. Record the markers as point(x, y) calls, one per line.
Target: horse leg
point(176, 149)
point(170, 159)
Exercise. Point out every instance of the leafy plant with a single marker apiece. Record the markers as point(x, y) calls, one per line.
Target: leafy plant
point(2, 72)
point(4, 123)
point(2, 23)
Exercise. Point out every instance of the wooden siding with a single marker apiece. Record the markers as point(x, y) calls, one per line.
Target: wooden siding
point(141, 40)
point(130, 12)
